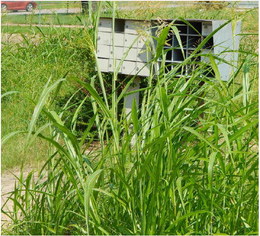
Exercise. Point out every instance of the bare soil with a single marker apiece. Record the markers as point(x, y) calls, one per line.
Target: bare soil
point(8, 180)
point(18, 38)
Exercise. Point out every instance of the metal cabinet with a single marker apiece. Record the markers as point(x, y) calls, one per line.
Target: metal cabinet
point(128, 44)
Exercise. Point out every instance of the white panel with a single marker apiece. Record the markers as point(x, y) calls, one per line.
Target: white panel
point(225, 40)
point(131, 40)
point(103, 64)
point(131, 54)
point(103, 51)
point(112, 66)
point(128, 103)
point(143, 55)
point(131, 27)
point(105, 25)
point(129, 68)
point(129, 99)
point(236, 32)
point(119, 63)
point(119, 39)
point(134, 27)
point(104, 38)
point(205, 58)
point(143, 69)
point(118, 52)
point(141, 42)
point(206, 28)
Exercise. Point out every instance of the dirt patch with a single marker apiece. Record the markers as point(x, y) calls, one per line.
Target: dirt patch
point(18, 38)
point(8, 180)
point(11, 38)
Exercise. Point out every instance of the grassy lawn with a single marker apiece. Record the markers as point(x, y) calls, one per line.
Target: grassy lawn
point(26, 68)
point(35, 30)
point(48, 19)
point(58, 4)
point(65, 19)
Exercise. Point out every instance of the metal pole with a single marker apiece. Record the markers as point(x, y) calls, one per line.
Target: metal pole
point(128, 103)
point(129, 99)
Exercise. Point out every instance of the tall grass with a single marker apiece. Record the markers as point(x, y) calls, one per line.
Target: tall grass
point(192, 169)
point(26, 67)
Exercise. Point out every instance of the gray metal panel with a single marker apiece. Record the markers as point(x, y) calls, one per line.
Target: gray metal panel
point(206, 28)
point(205, 58)
point(144, 38)
point(104, 38)
point(103, 64)
point(223, 40)
point(103, 51)
point(142, 69)
point(105, 25)
point(129, 68)
point(110, 65)
point(130, 54)
point(131, 27)
point(129, 99)
point(118, 52)
point(141, 41)
point(143, 55)
point(119, 39)
point(131, 40)
point(226, 39)
point(114, 65)
point(236, 39)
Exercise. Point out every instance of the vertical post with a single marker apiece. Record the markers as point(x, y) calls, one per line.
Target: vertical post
point(129, 100)
point(84, 6)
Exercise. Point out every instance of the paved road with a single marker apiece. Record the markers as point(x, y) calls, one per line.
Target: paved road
point(47, 11)
point(72, 10)
point(78, 10)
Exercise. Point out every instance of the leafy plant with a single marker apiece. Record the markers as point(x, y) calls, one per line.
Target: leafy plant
point(185, 163)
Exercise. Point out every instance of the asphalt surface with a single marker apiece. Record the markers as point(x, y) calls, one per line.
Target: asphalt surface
point(46, 11)
point(71, 10)
point(78, 10)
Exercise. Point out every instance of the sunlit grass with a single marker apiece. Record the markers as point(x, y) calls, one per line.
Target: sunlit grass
point(193, 168)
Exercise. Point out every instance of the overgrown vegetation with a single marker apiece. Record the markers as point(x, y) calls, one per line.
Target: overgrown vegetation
point(26, 68)
point(176, 166)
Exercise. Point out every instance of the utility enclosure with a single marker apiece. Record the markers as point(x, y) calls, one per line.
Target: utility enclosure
point(130, 47)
